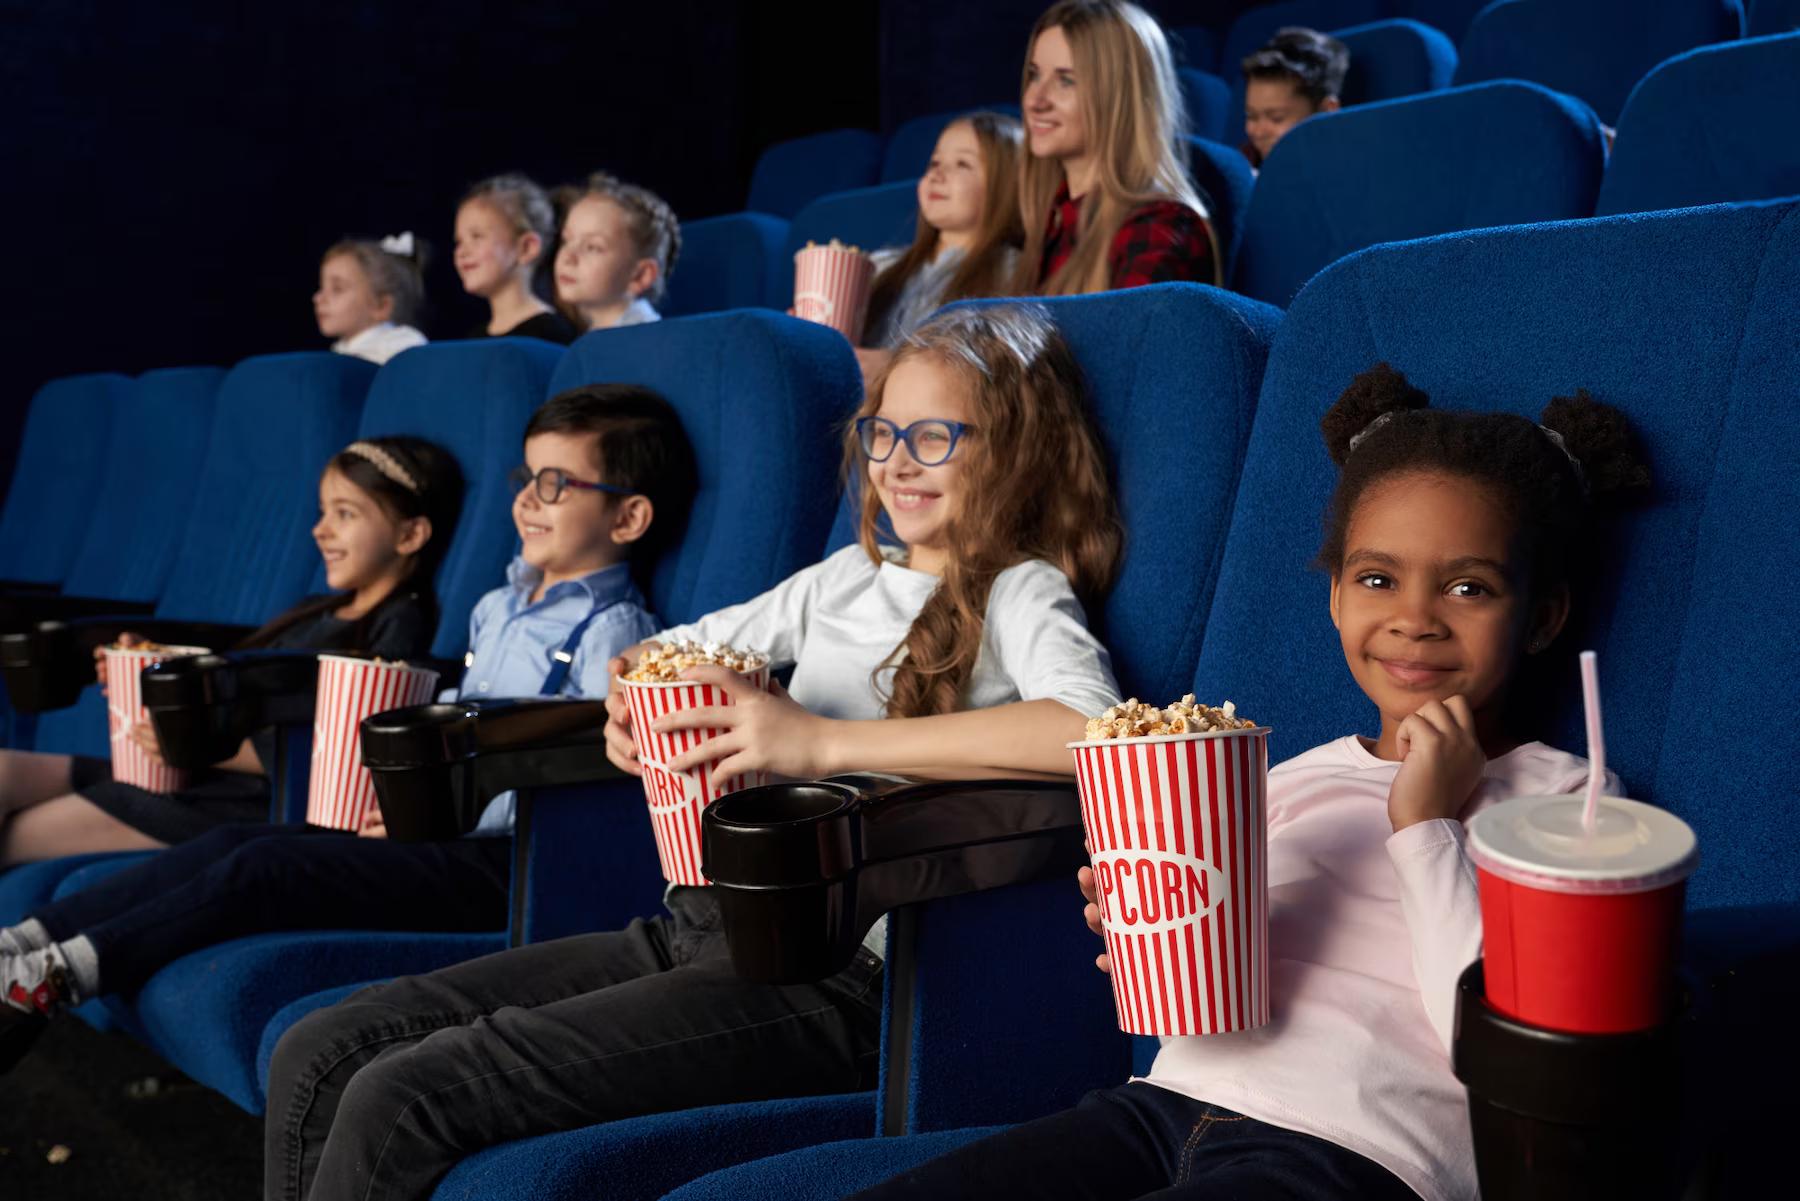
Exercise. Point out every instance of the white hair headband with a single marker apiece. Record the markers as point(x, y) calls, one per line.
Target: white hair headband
point(385, 463)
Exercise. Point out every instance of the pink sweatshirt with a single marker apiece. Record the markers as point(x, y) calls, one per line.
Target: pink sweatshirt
point(1368, 932)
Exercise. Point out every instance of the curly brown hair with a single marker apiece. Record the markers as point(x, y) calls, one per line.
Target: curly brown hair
point(1036, 486)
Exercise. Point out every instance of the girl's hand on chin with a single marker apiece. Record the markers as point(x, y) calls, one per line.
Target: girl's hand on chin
point(761, 731)
point(1440, 763)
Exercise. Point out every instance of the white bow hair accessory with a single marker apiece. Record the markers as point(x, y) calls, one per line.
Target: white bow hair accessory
point(400, 244)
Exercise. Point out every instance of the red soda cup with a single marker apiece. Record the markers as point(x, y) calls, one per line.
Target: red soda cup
point(1580, 928)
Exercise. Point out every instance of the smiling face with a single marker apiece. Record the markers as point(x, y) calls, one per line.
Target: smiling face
point(1055, 126)
point(1271, 108)
point(488, 249)
point(574, 536)
point(1430, 601)
point(920, 501)
point(346, 304)
point(359, 540)
point(598, 268)
point(954, 186)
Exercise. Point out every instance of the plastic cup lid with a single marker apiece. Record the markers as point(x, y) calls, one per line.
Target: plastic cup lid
point(1539, 841)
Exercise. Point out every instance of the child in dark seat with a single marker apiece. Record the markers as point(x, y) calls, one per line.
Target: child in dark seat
point(1298, 74)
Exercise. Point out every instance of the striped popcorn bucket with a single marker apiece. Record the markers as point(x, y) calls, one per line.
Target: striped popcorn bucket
point(1178, 841)
point(677, 798)
point(125, 708)
point(831, 287)
point(341, 792)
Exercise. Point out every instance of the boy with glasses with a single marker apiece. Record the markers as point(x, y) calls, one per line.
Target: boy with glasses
point(608, 477)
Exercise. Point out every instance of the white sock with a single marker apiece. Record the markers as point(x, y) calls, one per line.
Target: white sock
point(83, 963)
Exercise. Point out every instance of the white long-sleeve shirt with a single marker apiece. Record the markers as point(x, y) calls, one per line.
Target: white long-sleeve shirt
point(379, 343)
point(1369, 930)
point(838, 621)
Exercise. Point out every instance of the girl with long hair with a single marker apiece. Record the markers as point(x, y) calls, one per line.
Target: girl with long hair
point(968, 235)
point(1104, 192)
point(960, 642)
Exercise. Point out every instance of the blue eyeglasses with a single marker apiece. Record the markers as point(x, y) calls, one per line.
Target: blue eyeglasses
point(551, 481)
point(929, 442)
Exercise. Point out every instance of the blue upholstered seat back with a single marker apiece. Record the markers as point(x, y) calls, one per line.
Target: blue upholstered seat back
point(1452, 17)
point(1394, 58)
point(1226, 181)
point(473, 399)
point(1494, 154)
point(154, 452)
point(1772, 16)
point(763, 398)
point(1596, 50)
point(871, 218)
point(1713, 124)
point(728, 262)
point(790, 174)
point(1212, 111)
point(61, 455)
point(247, 552)
point(909, 147)
point(1693, 625)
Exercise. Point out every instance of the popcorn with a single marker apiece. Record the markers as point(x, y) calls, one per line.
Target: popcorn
point(834, 244)
point(1135, 719)
point(148, 648)
point(663, 662)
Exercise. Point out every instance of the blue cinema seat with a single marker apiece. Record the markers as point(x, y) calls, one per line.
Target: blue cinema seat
point(751, 387)
point(948, 1051)
point(728, 262)
point(56, 477)
point(884, 215)
point(1226, 181)
point(1212, 110)
point(1394, 58)
point(790, 174)
point(1500, 153)
point(1451, 17)
point(909, 147)
point(1706, 374)
point(1710, 125)
point(1596, 50)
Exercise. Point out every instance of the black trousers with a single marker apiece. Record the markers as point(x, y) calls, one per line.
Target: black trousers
point(1139, 1142)
point(242, 880)
point(381, 1095)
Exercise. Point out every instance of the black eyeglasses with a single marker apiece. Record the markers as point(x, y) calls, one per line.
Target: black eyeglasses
point(551, 481)
point(929, 442)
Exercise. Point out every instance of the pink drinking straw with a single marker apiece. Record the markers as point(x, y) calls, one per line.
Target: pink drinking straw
point(1590, 699)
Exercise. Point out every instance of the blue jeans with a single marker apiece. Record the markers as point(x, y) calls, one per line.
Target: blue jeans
point(1138, 1142)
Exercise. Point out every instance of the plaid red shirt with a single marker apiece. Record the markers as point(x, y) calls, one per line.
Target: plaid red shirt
point(1160, 242)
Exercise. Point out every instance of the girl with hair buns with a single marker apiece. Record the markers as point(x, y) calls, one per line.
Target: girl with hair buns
point(370, 294)
point(619, 244)
point(387, 508)
point(968, 236)
point(961, 644)
point(505, 235)
point(1104, 193)
point(1454, 542)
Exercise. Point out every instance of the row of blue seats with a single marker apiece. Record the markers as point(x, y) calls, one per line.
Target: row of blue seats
point(1704, 127)
point(1595, 50)
point(1221, 600)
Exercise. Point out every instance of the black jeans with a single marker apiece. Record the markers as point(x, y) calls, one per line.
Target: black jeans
point(242, 880)
point(381, 1095)
point(1138, 1142)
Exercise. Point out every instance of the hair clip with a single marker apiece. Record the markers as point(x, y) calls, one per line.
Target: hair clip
point(400, 244)
point(385, 463)
point(1358, 438)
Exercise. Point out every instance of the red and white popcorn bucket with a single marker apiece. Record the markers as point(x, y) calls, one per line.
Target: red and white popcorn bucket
point(131, 764)
point(677, 798)
point(1178, 839)
point(831, 287)
point(341, 792)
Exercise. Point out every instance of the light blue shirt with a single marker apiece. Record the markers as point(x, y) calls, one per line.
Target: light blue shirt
point(513, 645)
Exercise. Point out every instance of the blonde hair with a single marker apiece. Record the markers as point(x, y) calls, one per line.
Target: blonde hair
point(1029, 428)
point(982, 271)
point(1136, 122)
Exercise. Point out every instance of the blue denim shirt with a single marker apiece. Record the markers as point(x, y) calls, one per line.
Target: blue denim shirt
point(513, 643)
